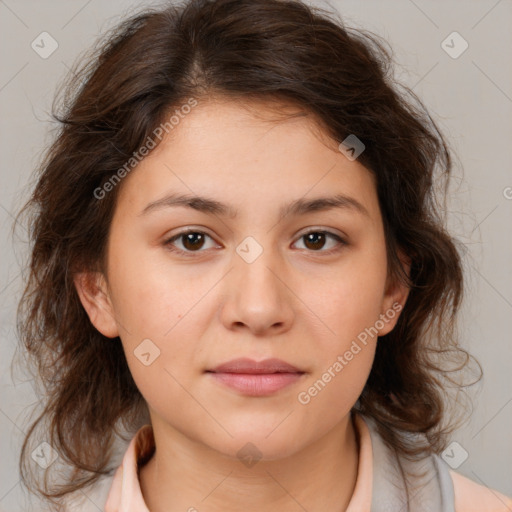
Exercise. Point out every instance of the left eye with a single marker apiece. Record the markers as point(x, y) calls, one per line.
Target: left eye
point(316, 240)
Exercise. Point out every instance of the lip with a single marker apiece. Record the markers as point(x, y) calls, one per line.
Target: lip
point(256, 378)
point(246, 365)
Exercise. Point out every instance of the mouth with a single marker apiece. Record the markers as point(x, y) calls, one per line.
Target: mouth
point(252, 378)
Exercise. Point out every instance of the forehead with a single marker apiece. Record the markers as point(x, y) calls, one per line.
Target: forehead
point(246, 153)
point(249, 121)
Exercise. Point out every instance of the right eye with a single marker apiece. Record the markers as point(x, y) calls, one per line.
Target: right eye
point(190, 240)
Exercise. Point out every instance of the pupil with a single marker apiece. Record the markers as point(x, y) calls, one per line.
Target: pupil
point(315, 238)
point(190, 243)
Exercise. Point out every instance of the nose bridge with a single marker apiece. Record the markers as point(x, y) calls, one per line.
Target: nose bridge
point(256, 297)
point(255, 268)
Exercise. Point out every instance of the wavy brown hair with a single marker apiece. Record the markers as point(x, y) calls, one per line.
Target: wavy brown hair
point(271, 50)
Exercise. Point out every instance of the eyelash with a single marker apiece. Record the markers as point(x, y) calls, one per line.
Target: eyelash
point(169, 242)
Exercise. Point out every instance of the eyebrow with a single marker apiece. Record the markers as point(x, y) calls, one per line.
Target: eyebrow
point(298, 207)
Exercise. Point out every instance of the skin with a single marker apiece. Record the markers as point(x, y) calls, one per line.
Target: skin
point(303, 302)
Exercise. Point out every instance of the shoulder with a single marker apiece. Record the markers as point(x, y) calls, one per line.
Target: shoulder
point(429, 482)
point(471, 496)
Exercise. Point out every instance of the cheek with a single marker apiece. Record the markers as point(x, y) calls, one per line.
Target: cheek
point(349, 303)
point(154, 310)
point(330, 394)
point(344, 355)
point(164, 308)
point(151, 295)
point(348, 300)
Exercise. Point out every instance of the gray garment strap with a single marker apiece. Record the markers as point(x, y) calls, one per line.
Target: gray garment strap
point(400, 485)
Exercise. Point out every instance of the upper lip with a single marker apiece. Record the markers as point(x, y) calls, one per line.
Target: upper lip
point(246, 365)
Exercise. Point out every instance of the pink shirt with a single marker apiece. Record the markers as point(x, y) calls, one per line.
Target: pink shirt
point(125, 493)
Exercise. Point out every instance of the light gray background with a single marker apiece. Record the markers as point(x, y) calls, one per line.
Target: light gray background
point(470, 97)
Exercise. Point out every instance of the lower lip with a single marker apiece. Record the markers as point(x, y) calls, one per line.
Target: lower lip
point(261, 384)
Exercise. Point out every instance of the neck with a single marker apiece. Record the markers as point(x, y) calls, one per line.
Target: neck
point(184, 475)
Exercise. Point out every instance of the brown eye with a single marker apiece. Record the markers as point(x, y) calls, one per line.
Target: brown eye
point(317, 240)
point(193, 241)
point(314, 241)
point(190, 241)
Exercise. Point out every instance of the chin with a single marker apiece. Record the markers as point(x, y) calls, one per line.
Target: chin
point(256, 444)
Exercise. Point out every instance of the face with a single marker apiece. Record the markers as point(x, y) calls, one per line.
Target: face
point(283, 258)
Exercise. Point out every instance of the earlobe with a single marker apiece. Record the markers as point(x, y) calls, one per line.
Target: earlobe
point(93, 293)
point(395, 297)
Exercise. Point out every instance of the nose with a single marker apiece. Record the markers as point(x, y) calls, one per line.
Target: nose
point(257, 298)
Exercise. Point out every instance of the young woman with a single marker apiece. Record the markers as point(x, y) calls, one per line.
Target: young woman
point(238, 265)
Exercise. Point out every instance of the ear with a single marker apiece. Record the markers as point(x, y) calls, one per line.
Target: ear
point(395, 296)
point(93, 292)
